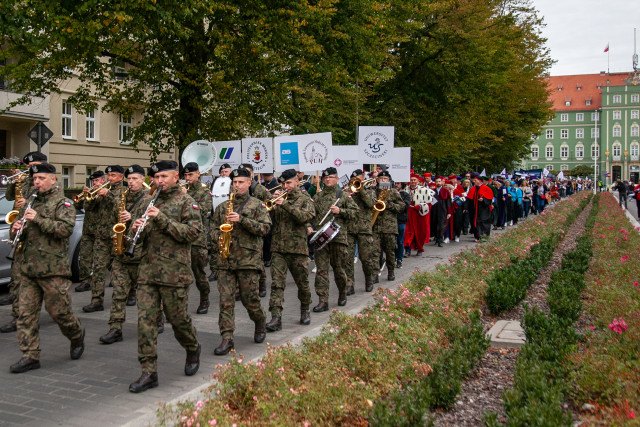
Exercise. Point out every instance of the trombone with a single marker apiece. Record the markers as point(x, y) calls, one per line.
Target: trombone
point(303, 182)
point(90, 195)
point(270, 204)
point(4, 180)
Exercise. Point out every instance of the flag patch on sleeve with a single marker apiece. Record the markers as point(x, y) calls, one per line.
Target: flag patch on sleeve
point(264, 206)
point(194, 206)
point(67, 204)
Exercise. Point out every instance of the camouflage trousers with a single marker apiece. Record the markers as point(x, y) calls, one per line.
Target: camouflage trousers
point(199, 257)
point(54, 291)
point(173, 301)
point(14, 289)
point(336, 255)
point(124, 278)
point(229, 281)
point(385, 242)
point(365, 255)
point(85, 258)
point(298, 265)
point(214, 254)
point(101, 262)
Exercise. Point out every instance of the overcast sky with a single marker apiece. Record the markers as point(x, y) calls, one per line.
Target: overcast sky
point(577, 32)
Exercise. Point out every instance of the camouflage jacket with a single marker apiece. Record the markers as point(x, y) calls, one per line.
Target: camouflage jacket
point(136, 203)
point(166, 247)
point(45, 247)
point(202, 196)
point(245, 251)
point(290, 222)
point(387, 221)
point(361, 222)
point(348, 210)
point(105, 210)
point(259, 191)
point(91, 219)
point(26, 187)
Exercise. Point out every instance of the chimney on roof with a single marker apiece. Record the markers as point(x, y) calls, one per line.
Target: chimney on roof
point(602, 73)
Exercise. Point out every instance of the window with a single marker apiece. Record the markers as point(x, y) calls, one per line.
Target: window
point(634, 114)
point(124, 129)
point(549, 133)
point(587, 102)
point(617, 148)
point(564, 152)
point(564, 117)
point(87, 181)
point(617, 99)
point(564, 133)
point(635, 148)
point(549, 152)
point(595, 116)
point(67, 115)
point(635, 98)
point(595, 132)
point(616, 115)
point(595, 151)
point(534, 152)
point(579, 151)
point(564, 167)
point(579, 117)
point(91, 125)
point(580, 133)
point(534, 166)
point(549, 167)
point(634, 130)
point(66, 176)
point(617, 131)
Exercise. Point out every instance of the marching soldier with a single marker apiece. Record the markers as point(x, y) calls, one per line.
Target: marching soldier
point(289, 250)
point(199, 253)
point(385, 228)
point(89, 226)
point(223, 171)
point(360, 233)
point(164, 274)
point(104, 204)
point(124, 269)
point(240, 271)
point(26, 187)
point(336, 252)
point(44, 268)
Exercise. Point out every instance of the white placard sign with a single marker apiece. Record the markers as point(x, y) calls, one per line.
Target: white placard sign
point(314, 151)
point(346, 159)
point(376, 144)
point(286, 153)
point(258, 152)
point(228, 152)
point(400, 164)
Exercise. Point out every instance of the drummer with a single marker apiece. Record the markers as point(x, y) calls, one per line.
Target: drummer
point(332, 206)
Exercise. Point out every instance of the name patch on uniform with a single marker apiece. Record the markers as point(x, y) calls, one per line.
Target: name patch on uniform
point(194, 206)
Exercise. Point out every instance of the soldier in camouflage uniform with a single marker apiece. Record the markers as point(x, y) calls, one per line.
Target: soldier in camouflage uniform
point(164, 274)
point(241, 270)
point(105, 205)
point(360, 233)
point(124, 269)
point(214, 253)
point(199, 253)
point(88, 239)
point(335, 253)
point(385, 228)
point(26, 188)
point(289, 249)
point(44, 268)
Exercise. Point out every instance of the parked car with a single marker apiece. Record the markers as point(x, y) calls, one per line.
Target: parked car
point(5, 246)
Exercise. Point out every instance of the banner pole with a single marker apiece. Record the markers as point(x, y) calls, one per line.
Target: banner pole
point(318, 188)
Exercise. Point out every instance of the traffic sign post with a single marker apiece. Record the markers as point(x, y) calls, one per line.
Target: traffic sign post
point(40, 134)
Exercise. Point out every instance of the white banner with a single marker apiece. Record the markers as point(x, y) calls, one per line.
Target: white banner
point(376, 144)
point(315, 151)
point(286, 153)
point(228, 152)
point(346, 159)
point(400, 165)
point(258, 152)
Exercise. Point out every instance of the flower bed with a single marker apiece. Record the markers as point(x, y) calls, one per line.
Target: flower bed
point(338, 376)
point(606, 378)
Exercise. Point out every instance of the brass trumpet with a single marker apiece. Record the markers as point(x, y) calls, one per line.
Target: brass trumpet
point(380, 205)
point(4, 180)
point(90, 194)
point(356, 184)
point(270, 204)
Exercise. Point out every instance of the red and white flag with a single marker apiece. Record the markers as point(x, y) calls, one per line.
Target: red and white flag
point(606, 49)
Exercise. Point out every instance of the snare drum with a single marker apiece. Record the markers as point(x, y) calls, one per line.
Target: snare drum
point(325, 235)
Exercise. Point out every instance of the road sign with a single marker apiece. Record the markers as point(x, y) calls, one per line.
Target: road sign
point(40, 134)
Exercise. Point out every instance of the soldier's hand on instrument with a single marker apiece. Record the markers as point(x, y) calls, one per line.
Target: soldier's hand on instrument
point(30, 214)
point(335, 210)
point(233, 217)
point(125, 216)
point(16, 226)
point(15, 171)
point(103, 192)
point(152, 212)
point(183, 189)
point(137, 223)
point(20, 203)
point(309, 231)
point(279, 202)
point(85, 189)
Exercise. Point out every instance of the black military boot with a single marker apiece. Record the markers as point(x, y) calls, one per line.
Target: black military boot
point(192, 364)
point(391, 276)
point(351, 290)
point(203, 308)
point(225, 346)
point(322, 306)
point(90, 308)
point(342, 299)
point(77, 347)
point(131, 299)
point(24, 364)
point(375, 278)
point(10, 327)
point(262, 290)
point(83, 287)
point(146, 381)
point(114, 335)
point(368, 285)
point(259, 333)
point(275, 324)
point(305, 317)
point(7, 299)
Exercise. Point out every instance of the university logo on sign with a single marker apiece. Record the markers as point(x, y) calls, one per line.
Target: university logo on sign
point(377, 145)
point(225, 153)
point(289, 153)
point(257, 153)
point(315, 152)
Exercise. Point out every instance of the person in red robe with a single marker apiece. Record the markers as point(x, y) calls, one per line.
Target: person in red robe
point(457, 217)
point(417, 231)
point(479, 204)
point(440, 211)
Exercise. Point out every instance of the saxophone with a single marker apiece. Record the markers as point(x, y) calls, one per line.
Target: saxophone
point(224, 241)
point(120, 227)
point(12, 215)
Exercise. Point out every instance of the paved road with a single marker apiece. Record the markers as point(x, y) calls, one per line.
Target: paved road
point(94, 389)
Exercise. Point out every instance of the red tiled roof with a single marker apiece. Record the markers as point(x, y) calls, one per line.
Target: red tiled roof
point(579, 88)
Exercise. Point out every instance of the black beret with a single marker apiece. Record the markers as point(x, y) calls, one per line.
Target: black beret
point(224, 166)
point(287, 175)
point(329, 171)
point(384, 173)
point(96, 174)
point(42, 168)
point(164, 165)
point(134, 169)
point(475, 175)
point(191, 167)
point(114, 168)
point(247, 166)
point(383, 167)
point(150, 172)
point(34, 156)
point(240, 172)
point(357, 172)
